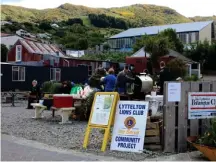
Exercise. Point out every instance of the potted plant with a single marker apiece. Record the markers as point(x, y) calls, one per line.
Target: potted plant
point(206, 143)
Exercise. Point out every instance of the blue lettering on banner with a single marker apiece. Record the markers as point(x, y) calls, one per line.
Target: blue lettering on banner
point(127, 139)
point(131, 106)
point(138, 112)
point(127, 142)
point(125, 112)
point(128, 109)
point(127, 145)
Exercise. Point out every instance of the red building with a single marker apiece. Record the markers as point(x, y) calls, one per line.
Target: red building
point(141, 57)
point(26, 52)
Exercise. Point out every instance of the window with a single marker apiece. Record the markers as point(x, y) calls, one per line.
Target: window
point(193, 37)
point(18, 52)
point(89, 68)
point(197, 36)
point(183, 37)
point(55, 74)
point(18, 73)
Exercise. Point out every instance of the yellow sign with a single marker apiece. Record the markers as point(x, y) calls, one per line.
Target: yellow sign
point(102, 115)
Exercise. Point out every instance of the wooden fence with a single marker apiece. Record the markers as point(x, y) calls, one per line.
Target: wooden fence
point(176, 125)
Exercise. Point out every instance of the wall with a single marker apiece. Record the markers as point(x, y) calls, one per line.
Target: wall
point(206, 33)
point(41, 74)
point(138, 62)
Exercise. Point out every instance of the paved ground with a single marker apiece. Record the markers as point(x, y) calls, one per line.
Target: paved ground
point(17, 149)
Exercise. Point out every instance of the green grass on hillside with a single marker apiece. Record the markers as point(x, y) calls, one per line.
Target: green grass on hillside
point(138, 15)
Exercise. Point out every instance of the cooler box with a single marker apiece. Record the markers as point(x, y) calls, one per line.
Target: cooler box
point(63, 101)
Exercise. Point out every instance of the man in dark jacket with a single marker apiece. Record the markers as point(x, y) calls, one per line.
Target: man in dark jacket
point(34, 95)
point(164, 76)
point(122, 79)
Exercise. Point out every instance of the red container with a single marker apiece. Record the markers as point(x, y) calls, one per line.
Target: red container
point(62, 101)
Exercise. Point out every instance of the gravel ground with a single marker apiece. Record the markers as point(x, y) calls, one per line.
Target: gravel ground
point(17, 121)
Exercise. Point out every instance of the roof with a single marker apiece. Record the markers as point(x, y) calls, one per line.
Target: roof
point(179, 56)
point(141, 53)
point(40, 48)
point(5, 34)
point(152, 30)
point(172, 53)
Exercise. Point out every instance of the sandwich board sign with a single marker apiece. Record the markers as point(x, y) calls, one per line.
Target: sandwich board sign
point(102, 115)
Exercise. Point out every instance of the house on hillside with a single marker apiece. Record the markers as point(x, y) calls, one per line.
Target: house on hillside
point(6, 22)
point(141, 59)
point(44, 36)
point(26, 52)
point(24, 33)
point(187, 32)
point(55, 25)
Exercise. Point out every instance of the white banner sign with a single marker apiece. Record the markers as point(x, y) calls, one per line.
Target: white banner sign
point(201, 105)
point(130, 125)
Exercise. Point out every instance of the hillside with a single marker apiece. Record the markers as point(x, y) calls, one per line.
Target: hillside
point(138, 15)
point(200, 18)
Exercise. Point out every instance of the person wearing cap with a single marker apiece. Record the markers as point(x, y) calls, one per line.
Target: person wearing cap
point(34, 95)
point(109, 81)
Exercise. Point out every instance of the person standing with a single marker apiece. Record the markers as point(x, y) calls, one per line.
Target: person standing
point(164, 76)
point(122, 79)
point(34, 95)
point(110, 81)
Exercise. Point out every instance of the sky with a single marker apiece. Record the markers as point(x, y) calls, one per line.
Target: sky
point(187, 8)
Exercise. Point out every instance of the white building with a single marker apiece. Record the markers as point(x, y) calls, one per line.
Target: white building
point(54, 26)
point(188, 33)
point(75, 53)
point(6, 22)
point(24, 33)
point(44, 36)
point(9, 40)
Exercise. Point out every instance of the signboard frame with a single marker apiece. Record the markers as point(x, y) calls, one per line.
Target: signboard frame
point(97, 126)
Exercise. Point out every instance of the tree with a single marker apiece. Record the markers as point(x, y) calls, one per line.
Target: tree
point(82, 44)
point(74, 21)
point(45, 26)
point(104, 21)
point(106, 46)
point(177, 68)
point(4, 51)
point(156, 46)
point(174, 42)
point(204, 53)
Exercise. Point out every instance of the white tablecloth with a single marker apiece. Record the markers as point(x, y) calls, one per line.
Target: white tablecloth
point(155, 103)
point(158, 98)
